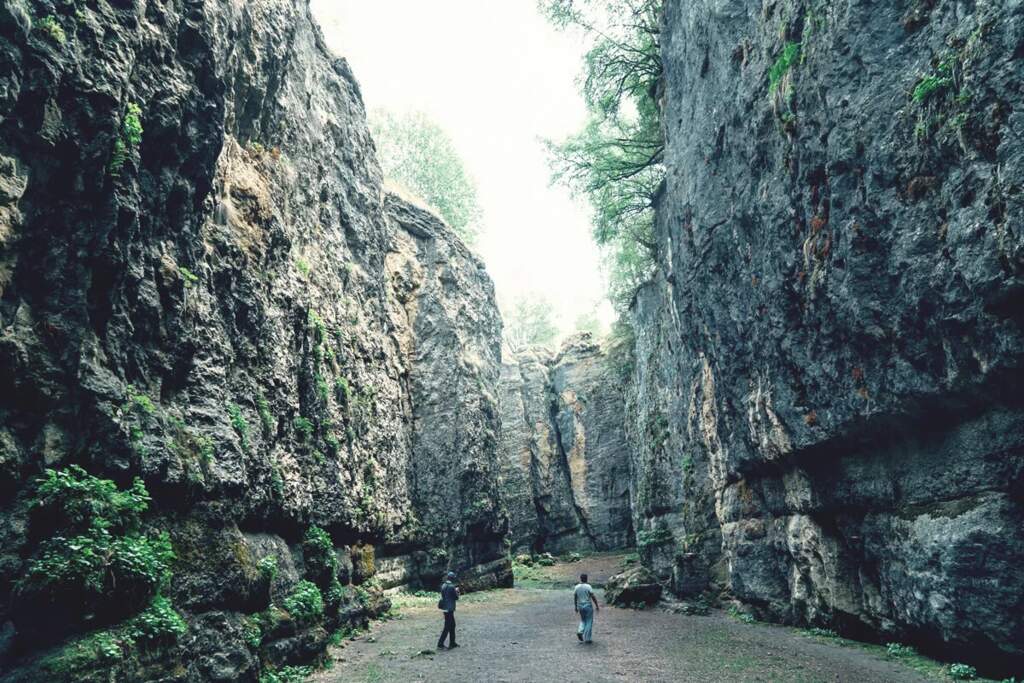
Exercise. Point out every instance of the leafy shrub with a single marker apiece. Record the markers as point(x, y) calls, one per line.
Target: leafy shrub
point(900, 650)
point(268, 567)
point(159, 623)
point(962, 672)
point(305, 603)
point(649, 537)
point(931, 84)
point(302, 266)
point(318, 552)
point(823, 632)
point(49, 26)
point(129, 138)
point(790, 53)
point(73, 499)
point(266, 419)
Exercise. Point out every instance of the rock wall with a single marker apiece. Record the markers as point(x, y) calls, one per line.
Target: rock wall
point(565, 460)
point(233, 310)
point(826, 396)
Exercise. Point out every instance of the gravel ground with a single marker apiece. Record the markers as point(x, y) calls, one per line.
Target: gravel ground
point(528, 634)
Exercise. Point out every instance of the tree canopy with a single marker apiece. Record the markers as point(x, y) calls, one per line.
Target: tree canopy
point(417, 154)
point(615, 161)
point(529, 321)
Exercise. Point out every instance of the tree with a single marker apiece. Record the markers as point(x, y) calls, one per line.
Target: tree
point(616, 160)
point(416, 153)
point(589, 322)
point(530, 321)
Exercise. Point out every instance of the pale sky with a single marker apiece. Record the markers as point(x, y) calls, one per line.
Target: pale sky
point(498, 79)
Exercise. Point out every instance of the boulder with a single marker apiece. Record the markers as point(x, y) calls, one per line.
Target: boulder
point(635, 585)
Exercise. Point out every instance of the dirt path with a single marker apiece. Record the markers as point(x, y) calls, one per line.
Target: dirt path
point(528, 634)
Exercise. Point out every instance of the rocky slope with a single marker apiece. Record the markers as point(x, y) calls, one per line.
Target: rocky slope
point(827, 398)
point(565, 460)
point(203, 284)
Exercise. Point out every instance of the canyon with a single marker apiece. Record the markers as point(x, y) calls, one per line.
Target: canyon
point(207, 289)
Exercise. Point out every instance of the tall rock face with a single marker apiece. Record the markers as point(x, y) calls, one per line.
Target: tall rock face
point(827, 389)
point(565, 459)
point(204, 285)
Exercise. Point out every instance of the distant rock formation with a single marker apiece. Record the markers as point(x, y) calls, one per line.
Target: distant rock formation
point(564, 456)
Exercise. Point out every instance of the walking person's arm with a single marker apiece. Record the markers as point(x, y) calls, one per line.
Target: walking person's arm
point(593, 598)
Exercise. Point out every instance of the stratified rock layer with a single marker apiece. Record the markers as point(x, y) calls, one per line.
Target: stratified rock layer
point(306, 349)
point(565, 460)
point(827, 401)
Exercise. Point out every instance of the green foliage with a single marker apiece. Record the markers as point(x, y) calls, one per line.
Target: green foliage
point(530, 322)
point(323, 390)
point(139, 402)
point(630, 559)
point(649, 537)
point(783, 63)
point(933, 83)
point(616, 160)
point(268, 567)
point(188, 276)
point(49, 26)
point(318, 325)
point(735, 613)
point(589, 322)
point(305, 603)
point(159, 623)
point(303, 266)
point(287, 674)
point(129, 138)
point(74, 499)
point(303, 427)
point(658, 430)
point(266, 419)
point(900, 650)
point(962, 672)
point(417, 153)
point(240, 424)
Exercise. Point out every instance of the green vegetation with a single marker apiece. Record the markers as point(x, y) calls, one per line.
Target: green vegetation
point(305, 603)
point(266, 419)
point(318, 325)
point(98, 558)
point(49, 26)
point(658, 430)
point(188, 276)
point(962, 672)
point(616, 160)
point(735, 613)
point(287, 674)
point(240, 424)
point(303, 427)
point(139, 402)
point(783, 63)
point(822, 632)
point(268, 567)
point(630, 559)
point(303, 266)
point(529, 322)
point(417, 154)
point(933, 83)
point(648, 537)
point(323, 390)
point(900, 650)
point(128, 139)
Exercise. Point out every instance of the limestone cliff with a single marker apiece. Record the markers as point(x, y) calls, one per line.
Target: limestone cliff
point(203, 284)
point(826, 399)
point(564, 456)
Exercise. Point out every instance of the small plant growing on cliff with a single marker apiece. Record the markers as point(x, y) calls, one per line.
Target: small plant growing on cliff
point(49, 27)
point(240, 424)
point(159, 623)
point(266, 419)
point(268, 567)
point(189, 278)
point(129, 138)
point(783, 63)
point(302, 266)
point(962, 672)
point(933, 83)
point(303, 427)
point(305, 603)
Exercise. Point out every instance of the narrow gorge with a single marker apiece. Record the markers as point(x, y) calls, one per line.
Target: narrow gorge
point(247, 390)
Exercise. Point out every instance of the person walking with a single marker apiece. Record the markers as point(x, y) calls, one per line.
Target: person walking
point(585, 604)
point(449, 596)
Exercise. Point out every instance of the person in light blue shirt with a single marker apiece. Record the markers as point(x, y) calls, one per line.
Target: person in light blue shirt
point(449, 596)
point(585, 603)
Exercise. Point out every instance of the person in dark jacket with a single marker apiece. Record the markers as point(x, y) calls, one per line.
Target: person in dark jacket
point(449, 596)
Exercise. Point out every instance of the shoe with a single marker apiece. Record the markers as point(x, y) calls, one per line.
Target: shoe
point(579, 636)
point(440, 646)
point(452, 646)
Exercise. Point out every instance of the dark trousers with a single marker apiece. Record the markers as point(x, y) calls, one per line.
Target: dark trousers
point(449, 627)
